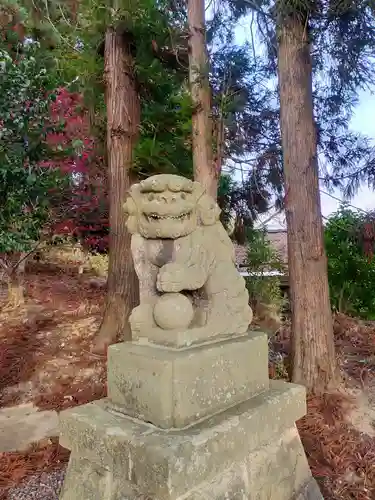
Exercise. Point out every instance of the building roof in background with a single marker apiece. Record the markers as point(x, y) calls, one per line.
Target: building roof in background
point(275, 219)
point(240, 254)
point(278, 240)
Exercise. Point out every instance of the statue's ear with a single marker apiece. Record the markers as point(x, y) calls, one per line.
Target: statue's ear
point(208, 210)
point(130, 208)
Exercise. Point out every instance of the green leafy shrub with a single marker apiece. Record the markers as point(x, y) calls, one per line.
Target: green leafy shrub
point(351, 272)
point(265, 293)
point(26, 183)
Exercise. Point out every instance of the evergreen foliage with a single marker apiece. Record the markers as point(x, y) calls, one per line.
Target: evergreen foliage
point(244, 98)
point(342, 38)
point(27, 179)
point(242, 104)
point(263, 264)
point(351, 267)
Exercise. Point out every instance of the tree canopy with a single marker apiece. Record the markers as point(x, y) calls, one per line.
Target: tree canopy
point(245, 109)
point(343, 43)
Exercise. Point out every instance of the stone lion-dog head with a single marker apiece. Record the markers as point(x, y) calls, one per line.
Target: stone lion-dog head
point(169, 206)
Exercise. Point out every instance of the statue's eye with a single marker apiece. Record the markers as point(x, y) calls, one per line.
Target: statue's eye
point(150, 197)
point(183, 196)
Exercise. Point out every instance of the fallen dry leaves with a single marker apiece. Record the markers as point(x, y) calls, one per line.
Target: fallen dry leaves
point(341, 457)
point(15, 467)
point(45, 357)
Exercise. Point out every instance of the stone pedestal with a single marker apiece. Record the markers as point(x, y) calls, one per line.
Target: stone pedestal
point(196, 423)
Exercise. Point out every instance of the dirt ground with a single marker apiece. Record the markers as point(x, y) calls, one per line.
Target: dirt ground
point(45, 347)
point(338, 431)
point(46, 359)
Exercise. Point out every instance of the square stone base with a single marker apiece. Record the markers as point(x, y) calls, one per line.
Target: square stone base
point(196, 382)
point(249, 452)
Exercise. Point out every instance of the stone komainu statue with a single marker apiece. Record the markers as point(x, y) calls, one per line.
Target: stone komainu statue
point(184, 260)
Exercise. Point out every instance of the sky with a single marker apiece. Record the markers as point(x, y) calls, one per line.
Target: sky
point(363, 121)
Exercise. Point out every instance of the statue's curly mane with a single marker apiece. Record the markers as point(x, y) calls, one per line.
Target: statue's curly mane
point(207, 209)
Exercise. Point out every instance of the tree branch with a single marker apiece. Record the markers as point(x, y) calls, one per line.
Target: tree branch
point(253, 5)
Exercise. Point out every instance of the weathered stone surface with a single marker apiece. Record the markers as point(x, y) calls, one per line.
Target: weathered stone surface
point(310, 491)
point(86, 480)
point(24, 424)
point(173, 311)
point(276, 471)
point(258, 477)
point(167, 465)
point(174, 388)
point(179, 245)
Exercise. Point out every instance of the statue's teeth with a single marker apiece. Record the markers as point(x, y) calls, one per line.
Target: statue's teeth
point(175, 217)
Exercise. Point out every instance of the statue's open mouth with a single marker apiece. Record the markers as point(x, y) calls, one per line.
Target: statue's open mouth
point(156, 217)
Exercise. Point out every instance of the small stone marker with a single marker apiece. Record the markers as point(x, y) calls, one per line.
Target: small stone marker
point(23, 425)
point(191, 413)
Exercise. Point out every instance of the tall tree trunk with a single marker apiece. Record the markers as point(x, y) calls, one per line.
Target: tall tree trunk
point(219, 135)
point(205, 170)
point(123, 118)
point(313, 351)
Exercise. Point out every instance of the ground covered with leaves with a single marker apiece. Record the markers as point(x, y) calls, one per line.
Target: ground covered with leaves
point(46, 359)
point(338, 431)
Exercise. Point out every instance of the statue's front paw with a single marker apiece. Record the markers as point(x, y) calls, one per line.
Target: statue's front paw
point(141, 317)
point(171, 278)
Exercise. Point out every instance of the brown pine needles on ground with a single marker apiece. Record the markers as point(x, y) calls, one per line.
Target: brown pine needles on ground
point(341, 457)
point(47, 360)
point(16, 467)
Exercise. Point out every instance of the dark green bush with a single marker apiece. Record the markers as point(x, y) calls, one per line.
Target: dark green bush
point(261, 259)
point(351, 271)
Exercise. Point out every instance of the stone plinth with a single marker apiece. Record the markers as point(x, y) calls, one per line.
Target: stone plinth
point(175, 388)
point(189, 424)
point(251, 451)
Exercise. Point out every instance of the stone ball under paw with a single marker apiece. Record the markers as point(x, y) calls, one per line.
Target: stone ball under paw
point(172, 311)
